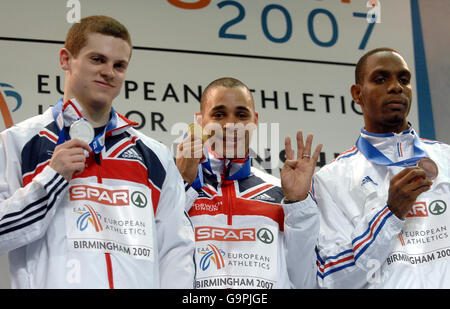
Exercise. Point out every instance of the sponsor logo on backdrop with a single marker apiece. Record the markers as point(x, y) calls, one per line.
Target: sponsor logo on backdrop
point(7, 91)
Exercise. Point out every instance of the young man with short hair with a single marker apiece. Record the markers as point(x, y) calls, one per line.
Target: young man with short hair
point(383, 223)
point(86, 200)
point(251, 232)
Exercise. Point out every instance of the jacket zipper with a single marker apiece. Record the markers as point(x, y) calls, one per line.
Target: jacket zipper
point(109, 269)
point(98, 161)
point(226, 188)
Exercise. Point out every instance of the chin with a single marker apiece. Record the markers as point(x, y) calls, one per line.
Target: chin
point(101, 102)
point(397, 123)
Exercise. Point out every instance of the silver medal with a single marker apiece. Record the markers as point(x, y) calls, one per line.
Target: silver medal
point(82, 130)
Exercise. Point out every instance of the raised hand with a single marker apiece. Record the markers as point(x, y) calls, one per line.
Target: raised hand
point(404, 188)
point(296, 174)
point(69, 158)
point(190, 153)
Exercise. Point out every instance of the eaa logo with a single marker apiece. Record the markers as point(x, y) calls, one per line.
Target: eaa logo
point(221, 234)
point(419, 209)
point(99, 195)
point(438, 207)
point(4, 93)
point(215, 255)
point(89, 215)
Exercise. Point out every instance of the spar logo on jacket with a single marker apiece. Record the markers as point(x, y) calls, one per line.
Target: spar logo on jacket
point(213, 255)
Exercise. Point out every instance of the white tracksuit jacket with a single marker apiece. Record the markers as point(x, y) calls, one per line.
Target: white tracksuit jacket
point(362, 243)
point(246, 237)
point(119, 224)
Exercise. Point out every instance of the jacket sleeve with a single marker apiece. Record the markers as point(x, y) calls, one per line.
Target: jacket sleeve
point(25, 212)
point(191, 196)
point(352, 248)
point(301, 230)
point(175, 234)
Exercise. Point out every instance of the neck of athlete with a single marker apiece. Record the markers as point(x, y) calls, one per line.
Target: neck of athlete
point(381, 128)
point(96, 113)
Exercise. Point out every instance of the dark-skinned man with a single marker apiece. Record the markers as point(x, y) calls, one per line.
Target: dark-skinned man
point(382, 203)
point(250, 232)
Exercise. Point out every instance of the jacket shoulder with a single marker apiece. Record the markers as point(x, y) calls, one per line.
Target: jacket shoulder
point(153, 148)
point(31, 126)
point(266, 177)
point(342, 162)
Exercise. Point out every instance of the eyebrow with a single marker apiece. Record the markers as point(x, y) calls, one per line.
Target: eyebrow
point(243, 108)
point(99, 54)
point(221, 107)
point(218, 107)
point(385, 72)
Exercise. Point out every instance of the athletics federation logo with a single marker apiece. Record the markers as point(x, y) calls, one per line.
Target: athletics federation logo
point(216, 255)
point(89, 216)
point(4, 93)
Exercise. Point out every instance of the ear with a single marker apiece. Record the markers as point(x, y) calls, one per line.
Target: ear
point(356, 92)
point(65, 58)
point(256, 118)
point(198, 118)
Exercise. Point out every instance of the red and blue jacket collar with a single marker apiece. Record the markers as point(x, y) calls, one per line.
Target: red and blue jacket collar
point(65, 114)
point(224, 169)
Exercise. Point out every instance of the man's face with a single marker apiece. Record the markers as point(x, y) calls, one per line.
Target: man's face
point(385, 93)
point(229, 114)
point(96, 75)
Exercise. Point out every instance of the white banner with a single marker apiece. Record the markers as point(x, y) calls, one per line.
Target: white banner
point(298, 57)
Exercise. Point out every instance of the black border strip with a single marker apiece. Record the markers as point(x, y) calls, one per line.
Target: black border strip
point(196, 52)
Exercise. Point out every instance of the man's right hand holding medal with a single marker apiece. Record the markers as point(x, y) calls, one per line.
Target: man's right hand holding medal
point(69, 158)
point(404, 189)
point(190, 153)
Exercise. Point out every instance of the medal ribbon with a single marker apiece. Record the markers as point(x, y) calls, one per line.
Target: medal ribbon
point(242, 173)
point(375, 156)
point(97, 143)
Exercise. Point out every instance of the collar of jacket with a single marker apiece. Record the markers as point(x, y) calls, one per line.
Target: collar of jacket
point(65, 114)
point(395, 146)
point(224, 169)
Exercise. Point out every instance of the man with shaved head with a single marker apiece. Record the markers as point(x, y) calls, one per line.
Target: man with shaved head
point(250, 232)
point(383, 203)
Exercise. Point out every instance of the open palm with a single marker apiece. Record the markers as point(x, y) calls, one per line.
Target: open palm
point(297, 172)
